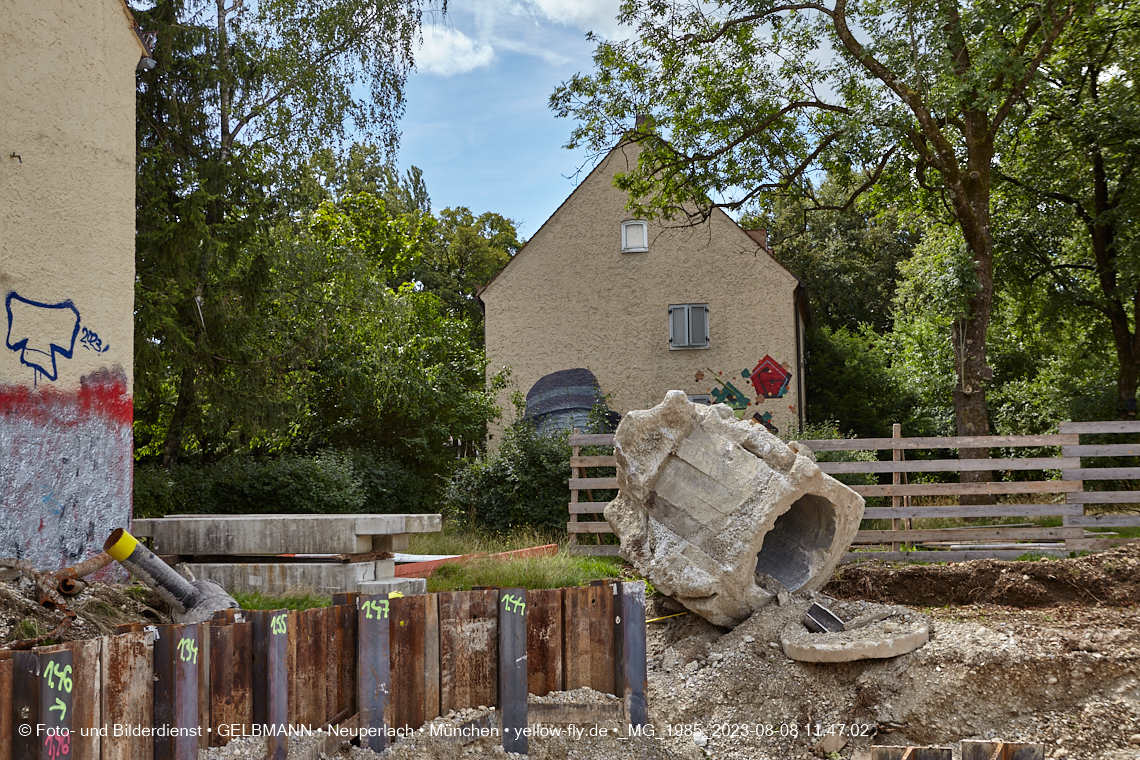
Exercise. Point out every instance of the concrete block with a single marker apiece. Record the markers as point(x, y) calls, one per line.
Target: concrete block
point(406, 586)
point(278, 577)
point(254, 535)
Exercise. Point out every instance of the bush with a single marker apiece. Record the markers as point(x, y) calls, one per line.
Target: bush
point(523, 483)
point(325, 483)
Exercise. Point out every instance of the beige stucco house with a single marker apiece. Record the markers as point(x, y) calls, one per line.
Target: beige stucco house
point(67, 227)
point(646, 308)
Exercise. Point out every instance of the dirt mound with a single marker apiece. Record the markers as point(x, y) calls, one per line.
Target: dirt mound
point(98, 610)
point(1110, 578)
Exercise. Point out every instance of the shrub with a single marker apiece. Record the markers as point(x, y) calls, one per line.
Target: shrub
point(523, 483)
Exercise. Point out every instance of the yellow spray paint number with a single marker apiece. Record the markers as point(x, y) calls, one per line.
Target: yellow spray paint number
point(58, 678)
point(514, 604)
point(188, 650)
point(380, 607)
point(277, 624)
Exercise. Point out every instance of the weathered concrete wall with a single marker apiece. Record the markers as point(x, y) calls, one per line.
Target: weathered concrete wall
point(66, 275)
point(571, 298)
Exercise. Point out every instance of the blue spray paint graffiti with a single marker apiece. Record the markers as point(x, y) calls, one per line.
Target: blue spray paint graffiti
point(39, 331)
point(91, 342)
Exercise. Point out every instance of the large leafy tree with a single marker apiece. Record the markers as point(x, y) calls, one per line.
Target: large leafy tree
point(1073, 199)
point(751, 97)
point(241, 91)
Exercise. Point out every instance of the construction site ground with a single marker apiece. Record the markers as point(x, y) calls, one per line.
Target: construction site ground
point(1045, 651)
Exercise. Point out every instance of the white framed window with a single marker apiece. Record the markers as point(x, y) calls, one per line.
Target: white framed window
point(688, 326)
point(634, 237)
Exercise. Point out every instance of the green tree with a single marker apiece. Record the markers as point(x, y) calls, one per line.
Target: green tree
point(239, 89)
point(1072, 198)
point(755, 96)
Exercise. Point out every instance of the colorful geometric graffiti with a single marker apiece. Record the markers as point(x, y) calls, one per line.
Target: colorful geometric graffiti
point(770, 379)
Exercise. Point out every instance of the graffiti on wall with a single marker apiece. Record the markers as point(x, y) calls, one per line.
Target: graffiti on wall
point(769, 380)
point(65, 464)
point(41, 332)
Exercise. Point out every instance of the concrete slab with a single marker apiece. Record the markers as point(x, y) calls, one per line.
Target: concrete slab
point(889, 632)
point(406, 586)
point(253, 535)
point(278, 577)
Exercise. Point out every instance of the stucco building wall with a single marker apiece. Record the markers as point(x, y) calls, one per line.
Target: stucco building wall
point(67, 217)
point(571, 298)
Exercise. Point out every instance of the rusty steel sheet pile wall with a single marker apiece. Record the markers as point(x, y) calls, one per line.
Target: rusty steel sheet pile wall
point(432, 653)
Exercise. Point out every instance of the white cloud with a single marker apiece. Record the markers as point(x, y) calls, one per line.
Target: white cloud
point(588, 15)
point(446, 51)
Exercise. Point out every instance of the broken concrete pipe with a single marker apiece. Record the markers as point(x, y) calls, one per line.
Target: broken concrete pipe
point(190, 602)
point(720, 514)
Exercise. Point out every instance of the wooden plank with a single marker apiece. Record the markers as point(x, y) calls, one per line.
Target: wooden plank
point(544, 641)
point(1103, 473)
point(1104, 521)
point(468, 649)
point(952, 465)
point(1104, 497)
point(1099, 544)
point(1102, 450)
point(86, 697)
point(997, 750)
point(995, 510)
point(242, 680)
point(911, 753)
point(595, 551)
point(513, 666)
point(953, 442)
point(588, 629)
point(128, 693)
point(373, 674)
point(966, 534)
point(946, 556)
point(5, 710)
point(589, 527)
point(1100, 427)
point(552, 713)
point(945, 489)
point(431, 658)
point(598, 439)
point(606, 461)
point(588, 507)
point(582, 484)
point(406, 646)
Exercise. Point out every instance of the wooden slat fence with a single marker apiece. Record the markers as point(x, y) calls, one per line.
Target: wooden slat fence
point(1065, 496)
point(442, 654)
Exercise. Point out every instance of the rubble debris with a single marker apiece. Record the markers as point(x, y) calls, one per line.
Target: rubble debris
point(710, 507)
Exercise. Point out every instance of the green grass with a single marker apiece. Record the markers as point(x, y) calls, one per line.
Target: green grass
point(557, 571)
point(299, 600)
point(455, 539)
point(27, 629)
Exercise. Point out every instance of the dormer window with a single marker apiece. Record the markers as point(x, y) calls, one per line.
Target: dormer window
point(634, 237)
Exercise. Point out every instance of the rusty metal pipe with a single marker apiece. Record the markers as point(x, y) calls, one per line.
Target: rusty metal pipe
point(86, 567)
point(148, 568)
point(71, 586)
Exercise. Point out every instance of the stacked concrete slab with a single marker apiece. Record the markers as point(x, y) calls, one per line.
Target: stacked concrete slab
point(273, 553)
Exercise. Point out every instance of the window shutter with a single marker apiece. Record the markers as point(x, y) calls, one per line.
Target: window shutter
point(698, 325)
point(678, 326)
point(636, 235)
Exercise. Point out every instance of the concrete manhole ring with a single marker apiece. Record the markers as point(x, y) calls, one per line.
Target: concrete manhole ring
point(890, 637)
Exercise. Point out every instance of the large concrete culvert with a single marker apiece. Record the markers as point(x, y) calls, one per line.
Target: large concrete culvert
point(799, 542)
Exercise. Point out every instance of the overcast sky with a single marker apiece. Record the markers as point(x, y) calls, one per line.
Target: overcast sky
point(477, 119)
